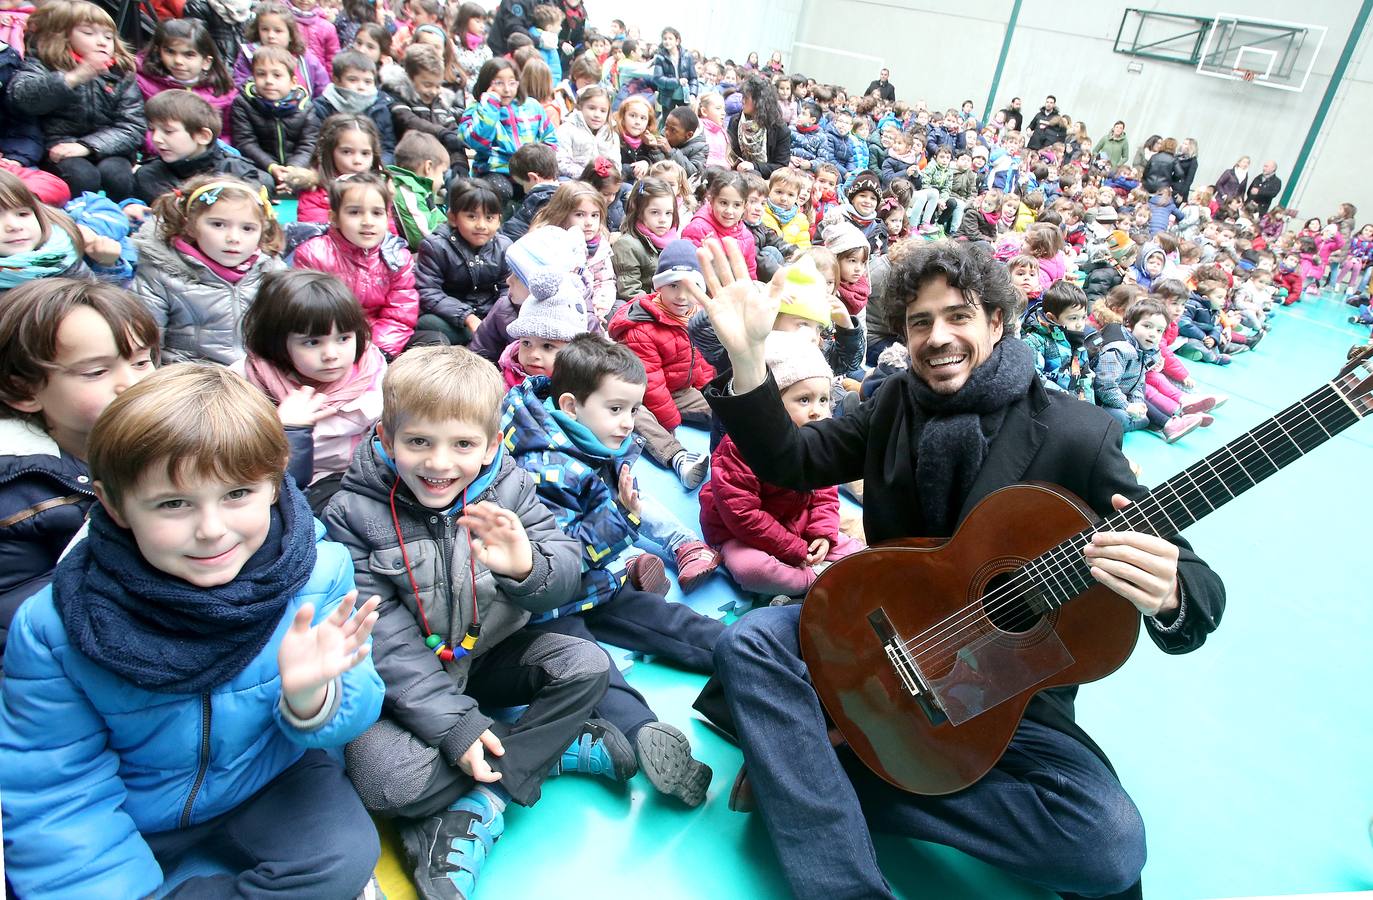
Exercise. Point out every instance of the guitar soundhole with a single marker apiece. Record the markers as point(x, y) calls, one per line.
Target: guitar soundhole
point(1013, 605)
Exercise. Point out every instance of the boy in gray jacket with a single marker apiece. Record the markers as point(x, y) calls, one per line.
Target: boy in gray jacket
point(451, 534)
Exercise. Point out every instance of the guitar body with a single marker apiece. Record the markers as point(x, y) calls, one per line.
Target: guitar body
point(930, 595)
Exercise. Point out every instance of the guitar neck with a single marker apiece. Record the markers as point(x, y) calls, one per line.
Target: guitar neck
point(1206, 485)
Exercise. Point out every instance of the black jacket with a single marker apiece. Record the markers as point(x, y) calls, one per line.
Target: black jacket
point(884, 89)
point(1263, 190)
point(268, 136)
point(1048, 136)
point(1049, 438)
point(692, 156)
point(1187, 172)
point(104, 114)
point(1161, 171)
point(645, 152)
point(778, 145)
point(227, 35)
point(535, 199)
point(380, 114)
point(155, 178)
point(455, 281)
point(667, 77)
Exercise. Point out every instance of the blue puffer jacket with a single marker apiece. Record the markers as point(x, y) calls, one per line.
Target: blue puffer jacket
point(808, 145)
point(837, 150)
point(88, 761)
point(577, 478)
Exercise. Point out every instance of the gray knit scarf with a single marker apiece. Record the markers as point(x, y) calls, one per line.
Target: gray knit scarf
point(953, 431)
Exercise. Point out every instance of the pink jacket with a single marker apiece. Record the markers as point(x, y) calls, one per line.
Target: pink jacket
point(718, 142)
point(354, 403)
point(383, 280)
point(511, 370)
point(703, 226)
point(1051, 270)
point(151, 84)
point(321, 37)
point(1173, 368)
point(599, 277)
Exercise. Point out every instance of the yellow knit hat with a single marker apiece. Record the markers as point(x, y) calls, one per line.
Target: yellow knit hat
point(803, 292)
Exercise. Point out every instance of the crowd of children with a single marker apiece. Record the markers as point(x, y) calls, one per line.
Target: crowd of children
point(478, 318)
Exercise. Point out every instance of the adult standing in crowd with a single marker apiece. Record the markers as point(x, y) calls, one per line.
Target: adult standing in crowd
point(1264, 189)
point(1234, 181)
point(1146, 150)
point(1045, 116)
point(1013, 116)
point(884, 88)
point(674, 72)
point(1162, 169)
point(1114, 146)
point(1187, 169)
point(757, 135)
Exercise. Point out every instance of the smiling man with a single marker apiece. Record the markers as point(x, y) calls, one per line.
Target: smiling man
point(967, 418)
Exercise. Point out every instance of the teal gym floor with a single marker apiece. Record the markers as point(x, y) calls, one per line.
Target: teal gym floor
point(1248, 758)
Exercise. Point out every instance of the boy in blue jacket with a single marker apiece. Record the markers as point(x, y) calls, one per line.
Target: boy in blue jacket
point(178, 683)
point(574, 432)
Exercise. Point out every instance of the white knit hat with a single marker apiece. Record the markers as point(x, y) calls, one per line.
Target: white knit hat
point(841, 236)
point(547, 248)
point(792, 356)
point(554, 310)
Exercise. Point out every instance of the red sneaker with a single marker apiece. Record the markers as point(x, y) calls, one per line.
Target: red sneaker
point(647, 573)
point(695, 563)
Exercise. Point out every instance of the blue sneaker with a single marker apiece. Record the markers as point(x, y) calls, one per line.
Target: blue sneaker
point(448, 849)
point(599, 749)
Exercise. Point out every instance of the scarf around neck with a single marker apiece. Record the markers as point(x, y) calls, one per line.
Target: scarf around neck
point(856, 217)
point(277, 109)
point(349, 101)
point(56, 256)
point(233, 276)
point(279, 385)
point(658, 242)
point(164, 634)
point(783, 216)
point(753, 140)
point(953, 431)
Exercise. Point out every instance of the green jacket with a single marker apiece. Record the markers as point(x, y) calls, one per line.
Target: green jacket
point(414, 206)
point(1117, 149)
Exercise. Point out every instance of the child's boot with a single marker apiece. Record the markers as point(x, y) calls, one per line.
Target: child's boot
point(448, 849)
point(665, 757)
point(646, 573)
point(691, 468)
point(695, 563)
point(598, 749)
point(1197, 403)
point(1178, 427)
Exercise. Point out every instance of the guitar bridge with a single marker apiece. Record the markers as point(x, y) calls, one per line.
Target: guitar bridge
point(905, 666)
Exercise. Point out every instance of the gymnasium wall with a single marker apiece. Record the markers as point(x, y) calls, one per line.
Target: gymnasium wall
point(724, 28)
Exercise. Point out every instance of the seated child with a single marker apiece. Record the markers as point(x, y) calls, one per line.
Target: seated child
point(604, 175)
point(851, 251)
point(654, 327)
point(420, 102)
point(354, 91)
point(807, 141)
point(1045, 243)
point(1128, 351)
point(40, 241)
point(651, 223)
point(711, 111)
point(579, 207)
point(500, 122)
point(554, 313)
point(579, 422)
point(67, 348)
point(452, 536)
point(185, 134)
point(545, 249)
point(775, 541)
point(310, 350)
point(586, 133)
point(773, 251)
point(317, 28)
point(203, 596)
point(201, 259)
point(375, 265)
point(462, 264)
point(273, 25)
point(782, 213)
point(1055, 331)
point(183, 55)
point(348, 144)
point(687, 148)
point(722, 216)
point(273, 127)
point(1106, 268)
point(416, 176)
point(859, 209)
point(1164, 386)
point(534, 167)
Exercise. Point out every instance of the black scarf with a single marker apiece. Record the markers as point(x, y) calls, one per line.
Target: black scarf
point(952, 432)
point(164, 634)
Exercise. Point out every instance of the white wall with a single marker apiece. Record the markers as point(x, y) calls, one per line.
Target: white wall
point(724, 28)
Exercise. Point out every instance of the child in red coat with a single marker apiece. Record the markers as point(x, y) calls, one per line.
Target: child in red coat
point(773, 540)
point(654, 327)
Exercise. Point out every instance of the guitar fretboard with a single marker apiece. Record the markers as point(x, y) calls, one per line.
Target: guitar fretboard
point(1203, 487)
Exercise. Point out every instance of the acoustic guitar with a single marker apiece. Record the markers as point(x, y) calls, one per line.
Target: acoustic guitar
point(926, 657)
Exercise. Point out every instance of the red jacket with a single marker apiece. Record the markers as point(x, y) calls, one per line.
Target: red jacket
point(781, 522)
point(1292, 281)
point(383, 280)
point(672, 362)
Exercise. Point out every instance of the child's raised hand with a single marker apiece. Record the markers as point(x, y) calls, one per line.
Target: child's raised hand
point(742, 312)
point(839, 313)
point(302, 407)
point(499, 540)
point(474, 763)
point(629, 494)
point(311, 656)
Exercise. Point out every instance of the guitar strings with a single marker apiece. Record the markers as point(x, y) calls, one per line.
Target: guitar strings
point(1054, 563)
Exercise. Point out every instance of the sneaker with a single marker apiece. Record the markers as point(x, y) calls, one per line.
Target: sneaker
point(1197, 403)
point(1224, 360)
point(665, 757)
point(1207, 420)
point(691, 468)
point(1220, 399)
point(741, 798)
point(449, 849)
point(646, 572)
point(695, 563)
point(598, 749)
point(1179, 426)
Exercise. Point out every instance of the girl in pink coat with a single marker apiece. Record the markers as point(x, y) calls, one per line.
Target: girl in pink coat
point(722, 216)
point(310, 350)
point(183, 55)
point(321, 37)
point(375, 264)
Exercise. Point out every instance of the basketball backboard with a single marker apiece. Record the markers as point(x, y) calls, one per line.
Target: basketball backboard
point(1264, 52)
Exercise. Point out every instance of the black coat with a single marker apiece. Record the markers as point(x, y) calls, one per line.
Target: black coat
point(645, 152)
point(778, 145)
point(104, 114)
point(227, 35)
point(1047, 136)
point(1045, 437)
point(155, 178)
point(1162, 171)
point(269, 137)
point(1187, 168)
point(1263, 190)
point(667, 78)
point(455, 281)
point(884, 89)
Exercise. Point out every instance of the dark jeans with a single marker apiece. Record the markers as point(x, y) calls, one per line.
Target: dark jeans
point(646, 623)
point(561, 680)
point(305, 834)
point(113, 175)
point(1051, 812)
point(431, 329)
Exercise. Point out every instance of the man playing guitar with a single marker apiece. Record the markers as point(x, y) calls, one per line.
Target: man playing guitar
point(967, 418)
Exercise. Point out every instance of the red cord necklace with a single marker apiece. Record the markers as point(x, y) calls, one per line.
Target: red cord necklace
point(433, 641)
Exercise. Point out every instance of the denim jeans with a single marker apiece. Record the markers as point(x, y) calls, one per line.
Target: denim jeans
point(923, 205)
point(1050, 812)
point(661, 532)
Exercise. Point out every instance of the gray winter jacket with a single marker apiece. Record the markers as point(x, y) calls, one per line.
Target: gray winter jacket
point(579, 145)
point(424, 694)
point(198, 312)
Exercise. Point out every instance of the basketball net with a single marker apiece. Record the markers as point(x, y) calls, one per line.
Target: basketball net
point(1244, 74)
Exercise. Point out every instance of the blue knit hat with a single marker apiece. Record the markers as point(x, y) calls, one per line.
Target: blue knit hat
point(678, 262)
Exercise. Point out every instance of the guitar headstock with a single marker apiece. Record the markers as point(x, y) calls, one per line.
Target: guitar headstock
point(1355, 380)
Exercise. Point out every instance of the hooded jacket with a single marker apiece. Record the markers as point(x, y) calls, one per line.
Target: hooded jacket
point(383, 280)
point(321, 37)
point(577, 477)
point(199, 313)
point(455, 280)
point(105, 114)
point(1116, 149)
point(274, 134)
point(579, 145)
point(670, 358)
point(495, 131)
point(425, 695)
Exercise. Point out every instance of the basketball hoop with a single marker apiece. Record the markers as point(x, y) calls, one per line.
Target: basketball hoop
point(1244, 74)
